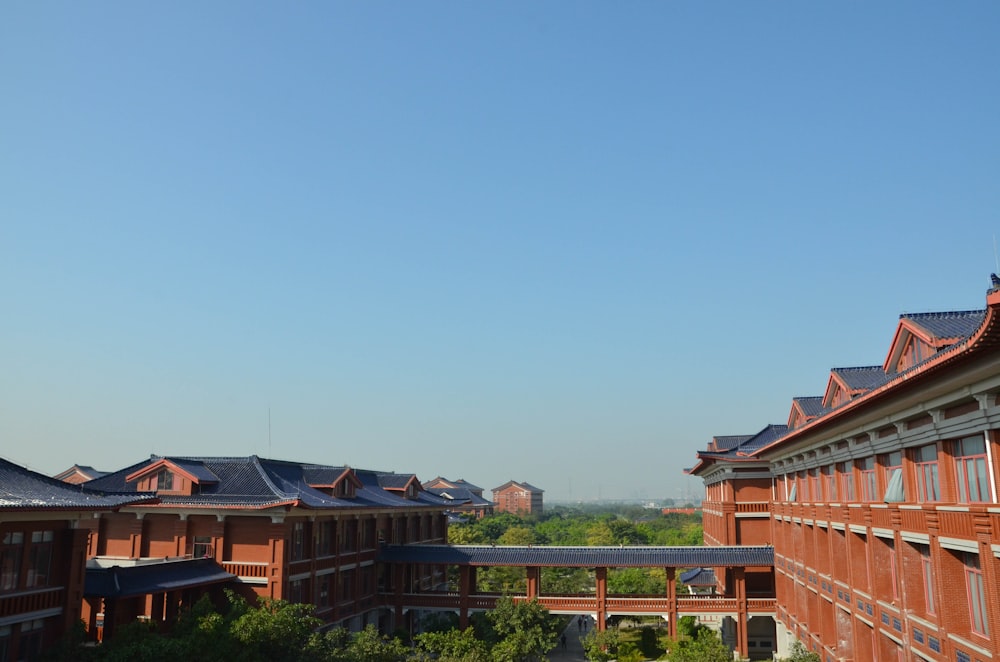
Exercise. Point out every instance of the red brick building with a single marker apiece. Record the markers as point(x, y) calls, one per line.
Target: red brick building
point(45, 527)
point(880, 499)
point(518, 498)
point(293, 531)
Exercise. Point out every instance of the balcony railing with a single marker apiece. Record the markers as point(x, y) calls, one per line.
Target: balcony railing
point(26, 602)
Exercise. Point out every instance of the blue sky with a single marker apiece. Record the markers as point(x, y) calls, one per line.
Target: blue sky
point(557, 242)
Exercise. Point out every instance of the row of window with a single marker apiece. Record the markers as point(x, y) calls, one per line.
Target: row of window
point(913, 475)
point(328, 542)
point(913, 566)
point(25, 560)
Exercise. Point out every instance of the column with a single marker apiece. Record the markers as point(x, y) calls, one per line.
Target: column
point(276, 562)
point(466, 582)
point(534, 581)
point(742, 620)
point(602, 597)
point(672, 598)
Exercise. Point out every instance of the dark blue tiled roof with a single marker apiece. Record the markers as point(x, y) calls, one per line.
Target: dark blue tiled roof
point(727, 442)
point(252, 482)
point(394, 481)
point(461, 482)
point(698, 577)
point(197, 469)
point(811, 405)
point(23, 489)
point(126, 581)
point(460, 495)
point(590, 557)
point(866, 377)
point(953, 324)
point(769, 434)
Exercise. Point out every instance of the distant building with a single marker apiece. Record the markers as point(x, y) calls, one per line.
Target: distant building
point(45, 527)
point(465, 498)
point(79, 473)
point(518, 498)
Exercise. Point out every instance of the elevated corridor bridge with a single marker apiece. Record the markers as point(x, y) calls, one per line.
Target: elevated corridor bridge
point(736, 560)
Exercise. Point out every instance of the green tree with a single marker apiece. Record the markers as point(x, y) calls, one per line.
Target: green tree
point(705, 647)
point(517, 535)
point(453, 646)
point(801, 654)
point(371, 646)
point(601, 646)
point(275, 630)
point(523, 630)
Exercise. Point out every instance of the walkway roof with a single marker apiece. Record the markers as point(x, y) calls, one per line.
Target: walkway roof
point(583, 557)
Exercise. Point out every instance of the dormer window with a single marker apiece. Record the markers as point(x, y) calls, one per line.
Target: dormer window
point(164, 480)
point(344, 490)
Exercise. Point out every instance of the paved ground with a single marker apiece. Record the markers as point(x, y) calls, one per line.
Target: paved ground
point(573, 650)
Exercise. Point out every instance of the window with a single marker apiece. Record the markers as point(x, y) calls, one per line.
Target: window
point(202, 548)
point(926, 568)
point(164, 480)
point(10, 560)
point(893, 570)
point(831, 483)
point(324, 542)
point(926, 463)
point(5, 643)
point(866, 469)
point(977, 594)
point(970, 465)
point(892, 465)
point(846, 471)
point(39, 558)
point(31, 639)
point(298, 542)
point(817, 488)
point(296, 591)
point(323, 591)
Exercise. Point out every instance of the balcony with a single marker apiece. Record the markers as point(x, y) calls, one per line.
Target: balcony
point(26, 602)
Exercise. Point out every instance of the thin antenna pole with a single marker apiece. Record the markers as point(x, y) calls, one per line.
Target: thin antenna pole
point(995, 258)
point(269, 432)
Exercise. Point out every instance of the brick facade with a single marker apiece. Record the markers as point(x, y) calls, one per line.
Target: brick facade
point(881, 501)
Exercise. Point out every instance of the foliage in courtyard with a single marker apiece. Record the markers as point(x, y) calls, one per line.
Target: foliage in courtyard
point(799, 653)
point(564, 526)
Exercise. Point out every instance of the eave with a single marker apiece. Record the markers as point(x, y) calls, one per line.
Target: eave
point(985, 337)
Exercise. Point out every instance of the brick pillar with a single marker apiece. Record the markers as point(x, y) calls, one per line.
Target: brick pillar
point(602, 597)
point(135, 536)
point(534, 581)
point(181, 536)
point(75, 575)
point(276, 561)
point(466, 583)
point(672, 598)
point(218, 534)
point(742, 620)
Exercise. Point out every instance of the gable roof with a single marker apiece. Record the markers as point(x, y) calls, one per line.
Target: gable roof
point(81, 472)
point(256, 483)
point(936, 330)
point(727, 442)
point(984, 338)
point(22, 489)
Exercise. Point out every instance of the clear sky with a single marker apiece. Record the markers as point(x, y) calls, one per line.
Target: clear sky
point(556, 242)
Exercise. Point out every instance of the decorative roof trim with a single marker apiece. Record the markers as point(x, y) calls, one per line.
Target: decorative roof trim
point(162, 463)
point(975, 342)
